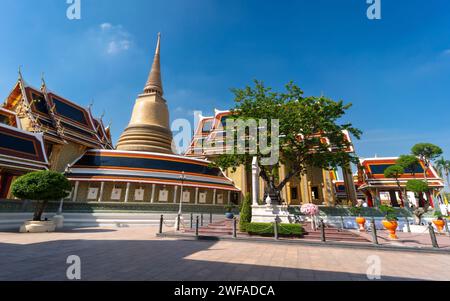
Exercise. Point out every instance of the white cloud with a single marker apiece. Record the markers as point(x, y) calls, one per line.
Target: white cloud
point(446, 52)
point(106, 26)
point(112, 39)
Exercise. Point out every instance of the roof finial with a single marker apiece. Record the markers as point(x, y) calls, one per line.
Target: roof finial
point(91, 104)
point(154, 83)
point(43, 85)
point(20, 72)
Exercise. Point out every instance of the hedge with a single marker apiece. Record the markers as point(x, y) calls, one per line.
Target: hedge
point(267, 229)
point(345, 211)
point(83, 207)
point(245, 213)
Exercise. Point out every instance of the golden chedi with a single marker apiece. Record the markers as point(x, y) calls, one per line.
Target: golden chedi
point(149, 129)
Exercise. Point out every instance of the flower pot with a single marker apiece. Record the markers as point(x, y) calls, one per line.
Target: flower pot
point(391, 226)
point(229, 215)
point(361, 221)
point(439, 223)
point(37, 227)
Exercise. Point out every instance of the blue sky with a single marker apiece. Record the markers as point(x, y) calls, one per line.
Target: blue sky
point(395, 71)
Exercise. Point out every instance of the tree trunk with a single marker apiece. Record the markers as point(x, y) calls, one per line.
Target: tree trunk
point(39, 210)
point(401, 193)
point(448, 179)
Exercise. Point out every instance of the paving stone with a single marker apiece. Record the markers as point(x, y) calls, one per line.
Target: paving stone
point(137, 254)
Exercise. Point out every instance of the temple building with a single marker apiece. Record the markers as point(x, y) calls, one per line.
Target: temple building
point(143, 168)
point(380, 190)
point(40, 129)
point(20, 151)
point(316, 186)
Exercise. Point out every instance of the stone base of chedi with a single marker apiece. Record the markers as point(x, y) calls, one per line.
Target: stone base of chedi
point(145, 138)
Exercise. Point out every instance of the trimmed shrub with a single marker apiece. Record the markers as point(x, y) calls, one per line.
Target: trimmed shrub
point(42, 186)
point(267, 229)
point(245, 216)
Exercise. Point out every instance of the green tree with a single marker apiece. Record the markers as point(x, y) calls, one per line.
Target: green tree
point(427, 152)
point(41, 186)
point(410, 163)
point(304, 122)
point(245, 216)
point(443, 168)
point(395, 172)
point(418, 187)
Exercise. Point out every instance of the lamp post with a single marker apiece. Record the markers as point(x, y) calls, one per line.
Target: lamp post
point(181, 193)
point(179, 217)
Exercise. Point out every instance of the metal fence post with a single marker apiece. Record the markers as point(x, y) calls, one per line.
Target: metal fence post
point(161, 221)
point(322, 230)
point(178, 222)
point(210, 217)
point(342, 223)
point(407, 224)
point(447, 232)
point(374, 231)
point(234, 227)
point(275, 228)
point(201, 219)
point(192, 220)
point(433, 236)
point(196, 226)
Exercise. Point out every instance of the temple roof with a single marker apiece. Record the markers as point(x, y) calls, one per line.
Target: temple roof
point(57, 117)
point(21, 149)
point(146, 167)
point(372, 170)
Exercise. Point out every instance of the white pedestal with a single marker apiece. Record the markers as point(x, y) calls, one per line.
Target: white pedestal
point(59, 221)
point(268, 213)
point(37, 227)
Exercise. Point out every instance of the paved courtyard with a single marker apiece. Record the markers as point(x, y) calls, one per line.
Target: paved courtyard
point(137, 254)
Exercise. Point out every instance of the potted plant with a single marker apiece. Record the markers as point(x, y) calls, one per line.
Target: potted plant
point(390, 221)
point(439, 221)
point(229, 211)
point(42, 187)
point(360, 220)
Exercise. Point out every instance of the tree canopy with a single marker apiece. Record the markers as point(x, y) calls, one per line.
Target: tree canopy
point(417, 186)
point(410, 163)
point(41, 185)
point(426, 151)
point(310, 131)
point(394, 171)
point(443, 167)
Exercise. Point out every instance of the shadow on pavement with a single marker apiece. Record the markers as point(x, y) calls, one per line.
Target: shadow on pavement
point(143, 260)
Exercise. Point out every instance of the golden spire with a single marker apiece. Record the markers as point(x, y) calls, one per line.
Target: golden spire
point(149, 128)
point(154, 83)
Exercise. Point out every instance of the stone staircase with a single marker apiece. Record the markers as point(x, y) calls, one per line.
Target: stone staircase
point(332, 234)
point(220, 228)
